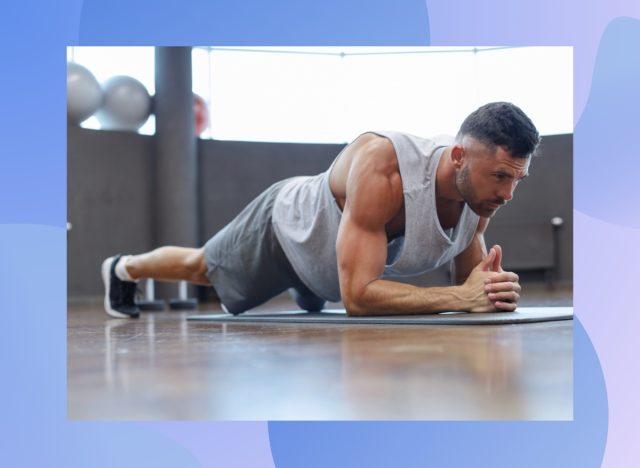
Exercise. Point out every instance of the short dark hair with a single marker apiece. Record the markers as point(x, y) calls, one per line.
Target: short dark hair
point(502, 124)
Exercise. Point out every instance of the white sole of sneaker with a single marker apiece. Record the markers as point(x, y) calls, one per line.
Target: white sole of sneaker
point(106, 276)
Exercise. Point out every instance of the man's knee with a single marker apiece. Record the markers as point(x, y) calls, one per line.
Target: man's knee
point(306, 300)
point(196, 266)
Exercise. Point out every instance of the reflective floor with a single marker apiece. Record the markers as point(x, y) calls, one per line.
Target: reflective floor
point(163, 367)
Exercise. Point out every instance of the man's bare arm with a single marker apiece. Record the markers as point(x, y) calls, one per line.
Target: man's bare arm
point(374, 197)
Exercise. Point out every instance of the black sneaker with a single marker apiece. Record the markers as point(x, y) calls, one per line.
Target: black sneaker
point(119, 296)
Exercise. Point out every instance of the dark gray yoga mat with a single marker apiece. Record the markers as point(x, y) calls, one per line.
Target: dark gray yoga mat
point(521, 315)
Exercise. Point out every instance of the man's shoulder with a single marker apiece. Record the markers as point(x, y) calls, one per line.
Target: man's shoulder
point(397, 141)
point(381, 144)
point(384, 148)
point(377, 151)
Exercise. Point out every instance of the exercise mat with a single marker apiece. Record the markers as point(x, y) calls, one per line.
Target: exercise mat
point(521, 315)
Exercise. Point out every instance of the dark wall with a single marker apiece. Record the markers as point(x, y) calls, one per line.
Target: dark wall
point(523, 227)
point(108, 202)
point(233, 173)
point(110, 194)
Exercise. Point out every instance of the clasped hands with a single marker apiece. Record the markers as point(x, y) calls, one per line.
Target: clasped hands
point(490, 288)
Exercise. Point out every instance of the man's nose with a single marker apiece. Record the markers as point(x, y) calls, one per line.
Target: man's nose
point(506, 193)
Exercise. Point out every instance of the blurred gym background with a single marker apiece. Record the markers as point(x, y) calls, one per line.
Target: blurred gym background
point(167, 144)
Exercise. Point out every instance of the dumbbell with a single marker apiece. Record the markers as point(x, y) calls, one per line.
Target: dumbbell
point(150, 303)
point(183, 301)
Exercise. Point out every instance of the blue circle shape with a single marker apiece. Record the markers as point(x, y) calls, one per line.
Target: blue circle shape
point(606, 142)
point(35, 430)
point(276, 22)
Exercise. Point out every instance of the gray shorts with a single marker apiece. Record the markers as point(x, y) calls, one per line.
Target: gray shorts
point(245, 263)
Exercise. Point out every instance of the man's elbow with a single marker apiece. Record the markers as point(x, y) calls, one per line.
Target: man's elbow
point(354, 310)
point(355, 303)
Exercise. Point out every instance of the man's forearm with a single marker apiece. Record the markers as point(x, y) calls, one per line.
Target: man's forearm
point(465, 262)
point(383, 297)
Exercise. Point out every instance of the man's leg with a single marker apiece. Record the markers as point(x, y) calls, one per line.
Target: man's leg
point(169, 264)
point(121, 273)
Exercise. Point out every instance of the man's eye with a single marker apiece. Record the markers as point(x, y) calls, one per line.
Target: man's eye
point(500, 176)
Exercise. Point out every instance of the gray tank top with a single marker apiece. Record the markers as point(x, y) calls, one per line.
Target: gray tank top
point(306, 218)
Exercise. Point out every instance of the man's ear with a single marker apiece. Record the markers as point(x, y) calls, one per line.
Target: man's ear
point(457, 155)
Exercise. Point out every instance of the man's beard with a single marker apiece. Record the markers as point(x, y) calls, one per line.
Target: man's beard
point(465, 188)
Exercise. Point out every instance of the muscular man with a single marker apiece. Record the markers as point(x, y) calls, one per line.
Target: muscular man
point(390, 205)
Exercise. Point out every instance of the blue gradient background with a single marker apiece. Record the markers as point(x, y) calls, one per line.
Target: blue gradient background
point(35, 432)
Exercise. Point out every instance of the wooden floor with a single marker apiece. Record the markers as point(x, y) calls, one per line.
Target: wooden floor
point(163, 367)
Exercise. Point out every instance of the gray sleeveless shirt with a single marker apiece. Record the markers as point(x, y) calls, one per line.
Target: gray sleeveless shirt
point(306, 219)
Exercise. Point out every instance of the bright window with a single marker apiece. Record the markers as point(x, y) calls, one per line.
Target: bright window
point(331, 94)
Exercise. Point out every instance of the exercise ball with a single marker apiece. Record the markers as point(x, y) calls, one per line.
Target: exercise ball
point(126, 104)
point(84, 94)
point(201, 113)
